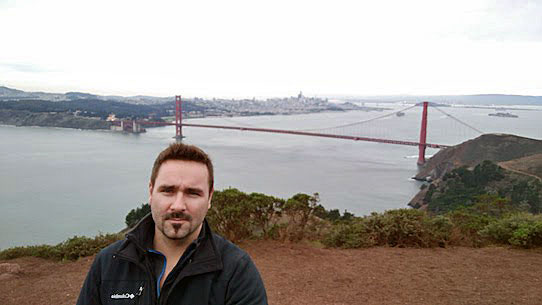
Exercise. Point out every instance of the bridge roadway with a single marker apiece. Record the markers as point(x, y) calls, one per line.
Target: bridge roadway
point(303, 133)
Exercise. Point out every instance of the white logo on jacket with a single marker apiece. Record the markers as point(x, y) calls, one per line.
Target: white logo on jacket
point(127, 295)
point(123, 296)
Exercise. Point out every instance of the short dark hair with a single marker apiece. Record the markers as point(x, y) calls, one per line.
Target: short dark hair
point(183, 152)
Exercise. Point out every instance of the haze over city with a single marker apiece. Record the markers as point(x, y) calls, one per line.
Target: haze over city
point(265, 49)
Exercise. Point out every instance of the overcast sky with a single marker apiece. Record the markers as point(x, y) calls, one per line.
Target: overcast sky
point(231, 48)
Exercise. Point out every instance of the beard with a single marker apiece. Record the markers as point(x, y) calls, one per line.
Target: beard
point(177, 231)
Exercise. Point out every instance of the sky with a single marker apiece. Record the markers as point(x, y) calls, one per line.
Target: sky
point(254, 48)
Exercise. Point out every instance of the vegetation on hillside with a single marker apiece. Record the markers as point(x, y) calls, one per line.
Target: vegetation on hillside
point(470, 216)
point(493, 147)
point(97, 108)
point(62, 119)
point(461, 187)
point(71, 249)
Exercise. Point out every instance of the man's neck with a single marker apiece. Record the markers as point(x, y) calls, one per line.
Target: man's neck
point(173, 248)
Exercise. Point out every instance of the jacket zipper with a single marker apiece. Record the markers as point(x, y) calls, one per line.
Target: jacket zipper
point(147, 271)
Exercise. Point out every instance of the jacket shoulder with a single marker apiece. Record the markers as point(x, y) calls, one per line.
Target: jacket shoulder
point(228, 250)
point(106, 254)
point(112, 248)
point(243, 282)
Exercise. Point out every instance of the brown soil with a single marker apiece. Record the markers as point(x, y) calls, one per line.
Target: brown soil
point(302, 274)
point(530, 166)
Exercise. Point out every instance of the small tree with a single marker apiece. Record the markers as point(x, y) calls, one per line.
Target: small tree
point(136, 214)
point(266, 211)
point(299, 209)
point(230, 214)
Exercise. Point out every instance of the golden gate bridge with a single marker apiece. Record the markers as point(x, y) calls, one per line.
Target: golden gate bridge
point(422, 143)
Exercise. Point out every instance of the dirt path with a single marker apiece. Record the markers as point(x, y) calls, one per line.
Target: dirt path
point(301, 274)
point(506, 166)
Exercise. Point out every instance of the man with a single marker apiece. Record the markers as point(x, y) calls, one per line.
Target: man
point(171, 256)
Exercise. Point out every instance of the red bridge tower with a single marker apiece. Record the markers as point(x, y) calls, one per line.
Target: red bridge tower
point(423, 136)
point(178, 118)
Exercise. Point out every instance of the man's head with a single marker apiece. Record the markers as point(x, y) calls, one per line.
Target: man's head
point(183, 152)
point(180, 191)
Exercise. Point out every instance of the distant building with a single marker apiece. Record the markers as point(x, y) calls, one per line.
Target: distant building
point(111, 118)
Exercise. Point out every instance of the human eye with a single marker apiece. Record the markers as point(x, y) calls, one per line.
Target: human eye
point(194, 192)
point(167, 190)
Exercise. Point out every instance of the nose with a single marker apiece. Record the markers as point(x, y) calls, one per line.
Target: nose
point(178, 203)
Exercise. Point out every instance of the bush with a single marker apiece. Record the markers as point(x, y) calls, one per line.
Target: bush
point(350, 235)
point(77, 247)
point(135, 215)
point(467, 226)
point(299, 211)
point(520, 230)
point(70, 249)
point(409, 228)
point(266, 211)
point(402, 228)
point(230, 214)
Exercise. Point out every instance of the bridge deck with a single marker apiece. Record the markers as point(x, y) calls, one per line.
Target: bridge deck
point(303, 133)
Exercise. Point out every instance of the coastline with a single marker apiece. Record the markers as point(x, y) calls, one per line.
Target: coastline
point(27, 118)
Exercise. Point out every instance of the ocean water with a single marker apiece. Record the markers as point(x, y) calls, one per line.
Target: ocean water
point(56, 183)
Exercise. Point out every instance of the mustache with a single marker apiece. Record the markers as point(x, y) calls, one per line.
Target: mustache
point(178, 215)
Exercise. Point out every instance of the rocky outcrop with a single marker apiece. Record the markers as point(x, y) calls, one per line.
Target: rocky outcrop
point(9, 271)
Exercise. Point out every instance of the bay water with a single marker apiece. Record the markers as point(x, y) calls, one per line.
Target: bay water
point(56, 183)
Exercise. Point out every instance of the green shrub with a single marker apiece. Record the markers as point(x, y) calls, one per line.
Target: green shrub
point(230, 214)
point(467, 226)
point(70, 249)
point(520, 230)
point(402, 228)
point(409, 228)
point(80, 246)
point(43, 251)
point(354, 234)
point(265, 213)
point(136, 214)
point(441, 229)
point(331, 215)
point(299, 211)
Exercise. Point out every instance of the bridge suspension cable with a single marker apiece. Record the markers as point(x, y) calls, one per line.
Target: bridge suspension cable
point(361, 122)
point(458, 120)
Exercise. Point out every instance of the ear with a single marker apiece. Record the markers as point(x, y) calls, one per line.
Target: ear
point(150, 192)
point(210, 198)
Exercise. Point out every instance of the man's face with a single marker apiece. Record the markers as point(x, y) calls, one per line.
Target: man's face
point(180, 198)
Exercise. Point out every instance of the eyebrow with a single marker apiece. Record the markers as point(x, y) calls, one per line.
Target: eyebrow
point(165, 187)
point(194, 189)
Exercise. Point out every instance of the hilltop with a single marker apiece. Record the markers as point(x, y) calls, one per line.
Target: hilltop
point(519, 161)
point(493, 147)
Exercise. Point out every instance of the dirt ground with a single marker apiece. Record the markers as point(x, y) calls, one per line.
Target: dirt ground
point(303, 274)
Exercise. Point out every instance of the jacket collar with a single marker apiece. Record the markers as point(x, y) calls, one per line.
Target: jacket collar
point(205, 259)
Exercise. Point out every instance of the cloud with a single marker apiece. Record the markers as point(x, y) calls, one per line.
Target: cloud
point(23, 67)
point(7, 3)
point(243, 47)
point(507, 20)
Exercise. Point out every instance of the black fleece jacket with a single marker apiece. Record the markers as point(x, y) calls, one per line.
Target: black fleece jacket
point(214, 272)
